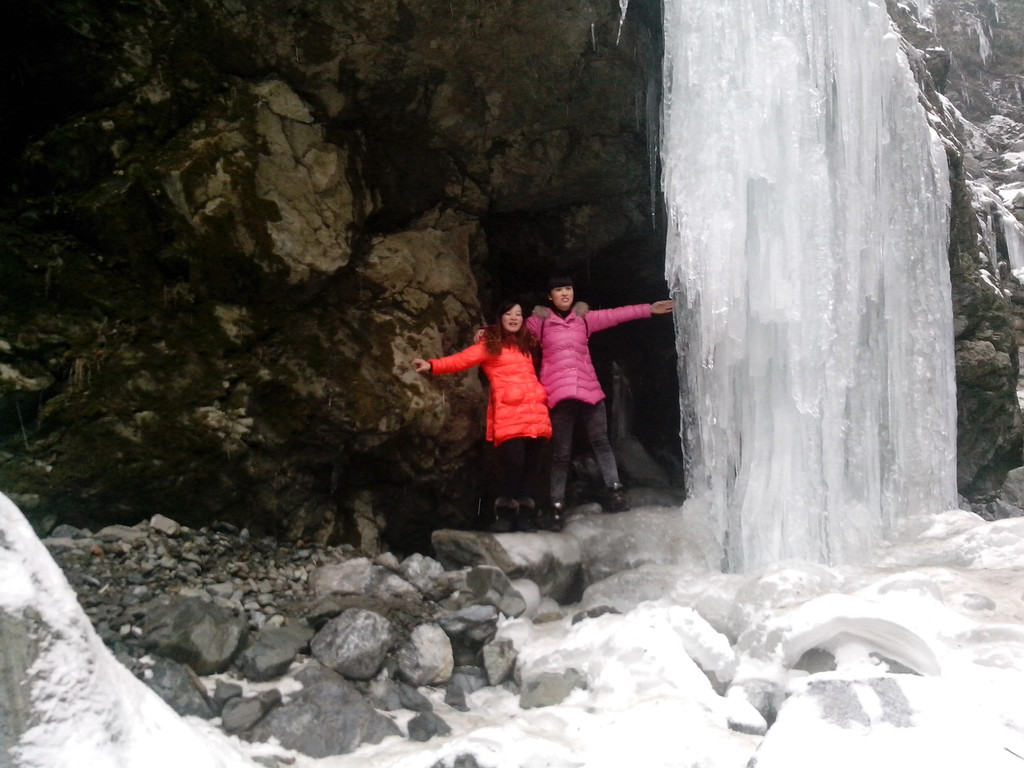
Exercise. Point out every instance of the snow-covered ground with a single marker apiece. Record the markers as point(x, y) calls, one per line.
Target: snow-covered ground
point(927, 642)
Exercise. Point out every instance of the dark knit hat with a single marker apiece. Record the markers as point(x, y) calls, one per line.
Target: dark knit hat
point(559, 281)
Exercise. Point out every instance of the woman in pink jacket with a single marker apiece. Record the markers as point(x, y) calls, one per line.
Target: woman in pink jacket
point(517, 414)
point(574, 394)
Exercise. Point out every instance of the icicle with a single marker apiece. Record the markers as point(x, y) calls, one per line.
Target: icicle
point(1013, 233)
point(925, 14)
point(984, 44)
point(807, 205)
point(652, 104)
point(623, 7)
point(994, 219)
point(988, 236)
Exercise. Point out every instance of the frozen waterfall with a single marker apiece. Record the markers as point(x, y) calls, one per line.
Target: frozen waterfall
point(808, 221)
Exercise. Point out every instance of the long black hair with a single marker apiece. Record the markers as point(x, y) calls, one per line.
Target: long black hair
point(496, 337)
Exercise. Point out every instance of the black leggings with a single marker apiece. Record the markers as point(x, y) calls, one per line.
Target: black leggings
point(519, 460)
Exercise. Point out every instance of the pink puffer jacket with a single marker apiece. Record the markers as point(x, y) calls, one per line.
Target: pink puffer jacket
point(566, 370)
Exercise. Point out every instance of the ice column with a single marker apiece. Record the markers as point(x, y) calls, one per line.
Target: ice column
point(808, 222)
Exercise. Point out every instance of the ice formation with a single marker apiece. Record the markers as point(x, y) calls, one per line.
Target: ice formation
point(808, 223)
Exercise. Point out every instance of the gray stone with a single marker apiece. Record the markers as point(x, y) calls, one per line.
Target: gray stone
point(412, 699)
point(499, 660)
point(387, 560)
point(998, 510)
point(65, 531)
point(816, 660)
point(180, 688)
point(426, 658)
point(360, 576)
point(551, 561)
point(387, 694)
point(224, 590)
point(487, 583)
point(273, 651)
point(427, 725)
point(464, 681)
point(512, 604)
point(242, 713)
point(224, 691)
point(327, 717)
point(354, 643)
point(550, 688)
point(382, 693)
point(490, 586)
point(593, 613)
point(1012, 491)
point(427, 575)
point(193, 631)
point(459, 761)
point(165, 525)
point(475, 622)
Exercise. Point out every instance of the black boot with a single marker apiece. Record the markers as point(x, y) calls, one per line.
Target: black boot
point(526, 520)
point(553, 519)
point(505, 511)
point(617, 501)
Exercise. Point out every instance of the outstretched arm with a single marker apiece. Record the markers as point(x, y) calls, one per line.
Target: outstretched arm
point(460, 361)
point(599, 319)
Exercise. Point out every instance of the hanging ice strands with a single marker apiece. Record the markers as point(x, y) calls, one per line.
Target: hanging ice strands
point(807, 203)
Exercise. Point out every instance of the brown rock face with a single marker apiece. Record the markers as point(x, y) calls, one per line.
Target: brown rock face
point(232, 225)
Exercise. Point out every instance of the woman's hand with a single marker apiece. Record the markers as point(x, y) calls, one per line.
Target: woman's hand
point(663, 307)
point(422, 366)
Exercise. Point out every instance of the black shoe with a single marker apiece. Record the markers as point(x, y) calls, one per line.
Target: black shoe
point(553, 519)
point(617, 501)
point(526, 519)
point(505, 511)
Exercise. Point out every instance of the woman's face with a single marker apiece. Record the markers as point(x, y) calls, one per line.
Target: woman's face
point(561, 297)
point(512, 320)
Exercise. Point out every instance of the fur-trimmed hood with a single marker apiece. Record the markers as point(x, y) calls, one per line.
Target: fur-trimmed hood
point(580, 308)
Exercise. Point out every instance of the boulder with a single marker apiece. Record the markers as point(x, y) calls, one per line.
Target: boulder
point(426, 658)
point(272, 651)
point(240, 713)
point(549, 688)
point(360, 576)
point(427, 725)
point(193, 631)
point(490, 586)
point(551, 561)
point(354, 643)
point(178, 685)
point(325, 698)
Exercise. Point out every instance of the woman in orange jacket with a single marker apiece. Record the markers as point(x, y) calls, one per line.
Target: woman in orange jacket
point(517, 415)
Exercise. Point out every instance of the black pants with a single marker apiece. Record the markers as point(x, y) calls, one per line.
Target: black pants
point(519, 461)
point(595, 420)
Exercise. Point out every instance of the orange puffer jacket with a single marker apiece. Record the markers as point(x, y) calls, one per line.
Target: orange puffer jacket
point(518, 405)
